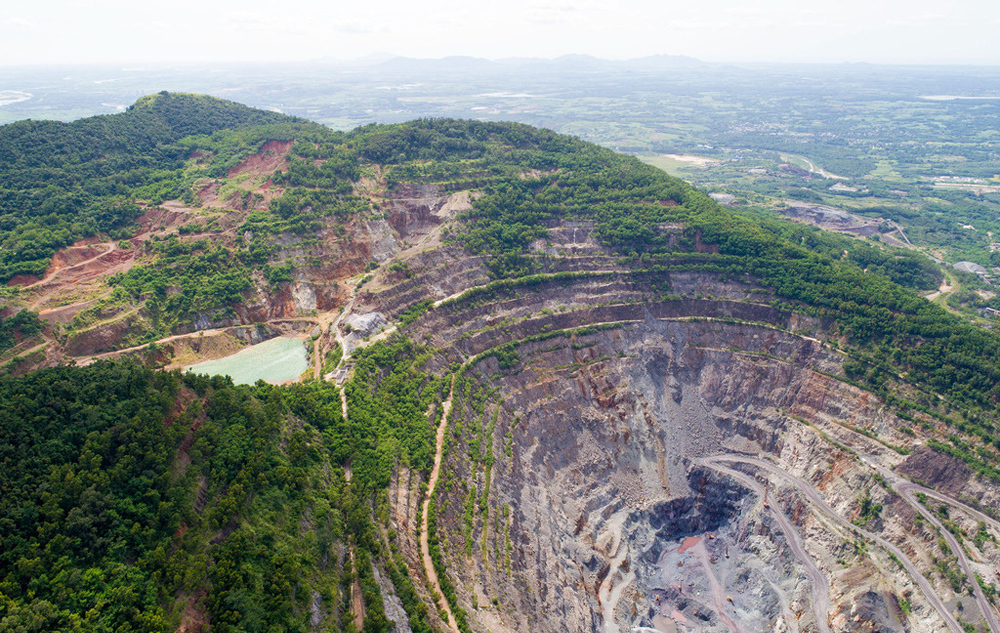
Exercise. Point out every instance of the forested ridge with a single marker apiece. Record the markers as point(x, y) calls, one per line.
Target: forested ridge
point(135, 500)
point(60, 182)
point(128, 493)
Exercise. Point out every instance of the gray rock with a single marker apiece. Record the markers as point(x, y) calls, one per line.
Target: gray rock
point(366, 324)
point(970, 267)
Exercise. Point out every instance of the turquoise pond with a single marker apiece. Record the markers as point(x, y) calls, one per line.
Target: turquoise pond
point(273, 361)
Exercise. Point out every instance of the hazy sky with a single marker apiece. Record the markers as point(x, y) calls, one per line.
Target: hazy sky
point(893, 31)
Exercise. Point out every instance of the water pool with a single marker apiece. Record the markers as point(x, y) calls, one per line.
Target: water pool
point(273, 361)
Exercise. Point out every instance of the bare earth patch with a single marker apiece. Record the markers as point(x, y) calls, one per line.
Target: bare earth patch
point(269, 159)
point(697, 161)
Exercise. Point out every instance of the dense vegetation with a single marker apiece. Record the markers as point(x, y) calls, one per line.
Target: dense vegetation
point(125, 488)
point(18, 327)
point(388, 400)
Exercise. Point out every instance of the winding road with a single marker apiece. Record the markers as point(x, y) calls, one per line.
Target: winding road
point(907, 490)
point(821, 504)
point(425, 549)
point(820, 586)
point(111, 246)
point(930, 492)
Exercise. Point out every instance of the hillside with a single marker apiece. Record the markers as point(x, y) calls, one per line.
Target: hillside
point(550, 388)
point(67, 181)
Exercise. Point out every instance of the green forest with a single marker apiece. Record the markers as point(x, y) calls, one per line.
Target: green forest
point(61, 182)
point(125, 487)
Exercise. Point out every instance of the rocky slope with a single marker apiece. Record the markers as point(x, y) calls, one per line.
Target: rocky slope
point(598, 508)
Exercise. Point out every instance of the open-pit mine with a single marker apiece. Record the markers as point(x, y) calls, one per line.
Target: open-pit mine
point(665, 439)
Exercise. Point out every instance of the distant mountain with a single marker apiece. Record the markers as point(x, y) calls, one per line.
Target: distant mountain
point(449, 64)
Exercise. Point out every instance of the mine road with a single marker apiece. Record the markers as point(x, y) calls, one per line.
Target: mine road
point(425, 549)
point(907, 490)
point(820, 587)
point(820, 503)
point(341, 340)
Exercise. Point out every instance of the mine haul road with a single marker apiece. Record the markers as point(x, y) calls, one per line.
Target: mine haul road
point(907, 491)
point(810, 493)
point(820, 587)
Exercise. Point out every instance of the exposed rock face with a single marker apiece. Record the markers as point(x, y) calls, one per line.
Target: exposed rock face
point(394, 610)
point(366, 324)
point(611, 525)
point(598, 511)
point(414, 207)
point(598, 483)
point(305, 297)
point(717, 530)
point(381, 240)
point(937, 470)
point(360, 327)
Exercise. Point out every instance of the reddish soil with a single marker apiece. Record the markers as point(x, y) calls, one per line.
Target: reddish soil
point(65, 314)
point(269, 192)
point(94, 239)
point(195, 618)
point(90, 260)
point(75, 280)
point(209, 194)
point(269, 159)
point(170, 215)
point(72, 256)
point(22, 280)
point(688, 543)
point(113, 260)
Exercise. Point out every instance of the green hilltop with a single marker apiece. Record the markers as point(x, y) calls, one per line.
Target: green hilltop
point(61, 182)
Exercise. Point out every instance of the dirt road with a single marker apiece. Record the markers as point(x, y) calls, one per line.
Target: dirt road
point(425, 549)
point(820, 503)
point(820, 586)
point(907, 490)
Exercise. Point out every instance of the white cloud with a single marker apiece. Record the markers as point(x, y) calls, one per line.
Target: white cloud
point(358, 27)
point(18, 23)
point(914, 20)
